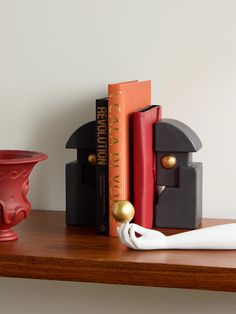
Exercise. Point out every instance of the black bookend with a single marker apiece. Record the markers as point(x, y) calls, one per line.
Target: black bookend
point(180, 202)
point(81, 177)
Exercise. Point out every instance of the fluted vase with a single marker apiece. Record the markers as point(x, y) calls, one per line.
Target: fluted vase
point(15, 168)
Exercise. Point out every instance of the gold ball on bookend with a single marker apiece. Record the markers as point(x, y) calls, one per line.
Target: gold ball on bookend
point(92, 159)
point(123, 211)
point(168, 162)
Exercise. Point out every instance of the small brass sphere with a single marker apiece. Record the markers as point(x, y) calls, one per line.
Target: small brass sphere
point(92, 159)
point(123, 211)
point(168, 161)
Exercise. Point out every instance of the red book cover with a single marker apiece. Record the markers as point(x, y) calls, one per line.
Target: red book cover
point(123, 99)
point(144, 161)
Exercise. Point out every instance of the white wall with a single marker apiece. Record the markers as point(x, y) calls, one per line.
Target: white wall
point(54, 297)
point(57, 56)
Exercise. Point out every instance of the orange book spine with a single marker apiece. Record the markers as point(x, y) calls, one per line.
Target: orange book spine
point(123, 99)
point(118, 183)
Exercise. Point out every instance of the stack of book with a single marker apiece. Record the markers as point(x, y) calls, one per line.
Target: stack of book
point(125, 157)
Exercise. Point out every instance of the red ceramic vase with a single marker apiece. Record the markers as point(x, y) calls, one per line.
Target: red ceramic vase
point(15, 167)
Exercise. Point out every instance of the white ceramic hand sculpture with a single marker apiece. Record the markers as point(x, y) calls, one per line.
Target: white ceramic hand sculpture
point(222, 237)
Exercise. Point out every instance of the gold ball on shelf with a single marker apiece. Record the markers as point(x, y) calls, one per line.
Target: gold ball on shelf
point(168, 161)
point(123, 211)
point(92, 159)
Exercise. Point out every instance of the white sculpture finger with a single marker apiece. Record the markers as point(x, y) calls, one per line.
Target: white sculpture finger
point(133, 238)
point(119, 232)
point(147, 233)
point(138, 229)
point(124, 235)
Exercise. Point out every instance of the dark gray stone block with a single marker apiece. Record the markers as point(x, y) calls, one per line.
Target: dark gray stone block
point(179, 205)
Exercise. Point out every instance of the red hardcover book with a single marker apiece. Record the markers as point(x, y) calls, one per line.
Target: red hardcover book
point(144, 161)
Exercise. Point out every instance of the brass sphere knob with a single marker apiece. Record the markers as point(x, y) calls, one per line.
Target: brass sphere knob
point(92, 159)
point(123, 211)
point(168, 161)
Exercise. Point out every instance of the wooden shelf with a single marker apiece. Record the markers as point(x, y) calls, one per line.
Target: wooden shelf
point(47, 249)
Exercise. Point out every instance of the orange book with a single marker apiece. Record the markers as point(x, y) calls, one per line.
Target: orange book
point(123, 99)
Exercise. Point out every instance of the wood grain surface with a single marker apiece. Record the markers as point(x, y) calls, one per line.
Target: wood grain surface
point(48, 249)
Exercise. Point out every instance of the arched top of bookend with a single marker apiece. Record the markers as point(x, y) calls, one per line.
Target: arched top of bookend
point(174, 136)
point(84, 137)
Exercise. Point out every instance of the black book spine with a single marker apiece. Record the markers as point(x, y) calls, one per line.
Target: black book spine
point(102, 166)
